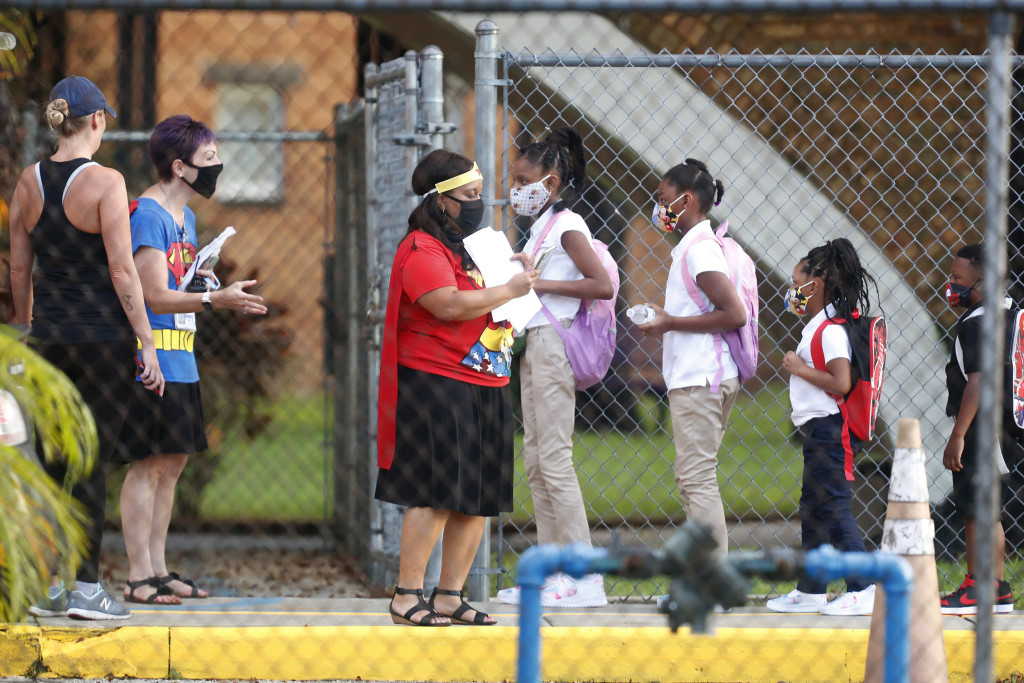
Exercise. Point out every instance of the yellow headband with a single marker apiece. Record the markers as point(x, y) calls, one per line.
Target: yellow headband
point(458, 181)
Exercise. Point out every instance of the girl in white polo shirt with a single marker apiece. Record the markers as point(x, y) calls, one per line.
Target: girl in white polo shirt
point(690, 364)
point(828, 283)
point(547, 178)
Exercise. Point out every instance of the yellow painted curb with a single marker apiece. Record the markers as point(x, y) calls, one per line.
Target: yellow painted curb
point(19, 650)
point(641, 655)
point(346, 652)
point(124, 652)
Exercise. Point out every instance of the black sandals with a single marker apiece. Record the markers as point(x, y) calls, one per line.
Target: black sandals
point(173, 576)
point(161, 591)
point(479, 619)
point(431, 618)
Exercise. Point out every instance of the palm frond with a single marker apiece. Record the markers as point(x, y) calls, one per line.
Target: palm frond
point(40, 532)
point(41, 525)
point(64, 422)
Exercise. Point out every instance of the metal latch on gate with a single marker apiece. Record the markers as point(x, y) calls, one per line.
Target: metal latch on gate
point(422, 137)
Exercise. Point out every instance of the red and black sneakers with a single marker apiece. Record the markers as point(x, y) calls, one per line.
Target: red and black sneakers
point(964, 600)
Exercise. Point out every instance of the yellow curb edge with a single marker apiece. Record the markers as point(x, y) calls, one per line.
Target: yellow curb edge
point(641, 655)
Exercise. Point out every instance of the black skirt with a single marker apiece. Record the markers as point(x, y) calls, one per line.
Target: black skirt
point(453, 446)
point(161, 425)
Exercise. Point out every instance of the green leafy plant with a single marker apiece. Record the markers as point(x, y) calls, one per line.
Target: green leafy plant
point(41, 527)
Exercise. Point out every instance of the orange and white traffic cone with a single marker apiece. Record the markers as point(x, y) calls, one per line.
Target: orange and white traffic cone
point(910, 532)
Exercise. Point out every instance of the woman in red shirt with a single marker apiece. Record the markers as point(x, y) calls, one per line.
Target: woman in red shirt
point(445, 429)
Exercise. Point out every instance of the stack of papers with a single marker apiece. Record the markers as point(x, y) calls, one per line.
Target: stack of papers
point(492, 254)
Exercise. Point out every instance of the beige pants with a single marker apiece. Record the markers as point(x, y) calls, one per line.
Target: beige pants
point(699, 420)
point(549, 411)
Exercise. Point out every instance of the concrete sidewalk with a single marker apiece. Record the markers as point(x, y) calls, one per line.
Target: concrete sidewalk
point(306, 639)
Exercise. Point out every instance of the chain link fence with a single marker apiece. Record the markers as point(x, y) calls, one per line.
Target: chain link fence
point(886, 151)
point(882, 145)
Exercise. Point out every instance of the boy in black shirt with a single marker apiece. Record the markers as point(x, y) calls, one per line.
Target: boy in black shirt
point(963, 382)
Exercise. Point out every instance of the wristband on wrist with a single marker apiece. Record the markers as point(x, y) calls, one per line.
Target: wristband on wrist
point(206, 301)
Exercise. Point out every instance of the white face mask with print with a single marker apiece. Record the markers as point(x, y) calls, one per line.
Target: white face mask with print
point(528, 199)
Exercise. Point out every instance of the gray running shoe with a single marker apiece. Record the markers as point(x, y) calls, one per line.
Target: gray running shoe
point(51, 607)
point(99, 605)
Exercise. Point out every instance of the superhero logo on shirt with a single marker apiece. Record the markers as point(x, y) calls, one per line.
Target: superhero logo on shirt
point(179, 259)
point(492, 354)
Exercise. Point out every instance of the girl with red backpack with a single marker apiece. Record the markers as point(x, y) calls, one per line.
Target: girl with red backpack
point(547, 179)
point(829, 284)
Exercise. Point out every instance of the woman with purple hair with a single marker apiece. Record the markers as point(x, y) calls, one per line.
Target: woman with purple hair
point(162, 431)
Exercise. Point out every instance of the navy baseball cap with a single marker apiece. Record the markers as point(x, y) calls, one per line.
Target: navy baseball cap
point(82, 95)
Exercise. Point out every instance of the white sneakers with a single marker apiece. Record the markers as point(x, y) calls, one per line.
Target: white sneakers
point(856, 604)
point(796, 602)
point(561, 590)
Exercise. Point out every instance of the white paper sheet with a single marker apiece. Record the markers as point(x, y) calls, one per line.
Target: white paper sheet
point(211, 249)
point(492, 254)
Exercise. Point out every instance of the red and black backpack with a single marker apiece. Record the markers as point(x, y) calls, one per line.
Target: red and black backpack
point(859, 407)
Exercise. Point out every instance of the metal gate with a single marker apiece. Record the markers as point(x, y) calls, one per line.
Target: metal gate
point(403, 118)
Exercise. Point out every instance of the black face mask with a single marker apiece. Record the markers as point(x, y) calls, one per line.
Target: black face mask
point(470, 215)
point(205, 183)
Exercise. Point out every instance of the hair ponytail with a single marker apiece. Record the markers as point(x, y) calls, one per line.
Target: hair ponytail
point(562, 153)
point(694, 176)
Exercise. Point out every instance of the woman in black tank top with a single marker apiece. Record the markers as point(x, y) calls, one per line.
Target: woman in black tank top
point(70, 217)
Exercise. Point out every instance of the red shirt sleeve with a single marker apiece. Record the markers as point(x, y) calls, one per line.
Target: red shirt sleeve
point(428, 267)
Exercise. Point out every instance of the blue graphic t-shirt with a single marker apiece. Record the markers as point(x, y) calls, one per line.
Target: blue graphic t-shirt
point(174, 333)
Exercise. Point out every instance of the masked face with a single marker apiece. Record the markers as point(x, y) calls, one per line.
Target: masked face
point(470, 215)
point(958, 296)
point(795, 301)
point(663, 217)
point(205, 183)
point(528, 200)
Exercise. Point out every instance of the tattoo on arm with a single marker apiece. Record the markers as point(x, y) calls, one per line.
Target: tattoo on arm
point(128, 302)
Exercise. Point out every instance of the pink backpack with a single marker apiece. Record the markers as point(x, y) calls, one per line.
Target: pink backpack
point(590, 340)
point(742, 342)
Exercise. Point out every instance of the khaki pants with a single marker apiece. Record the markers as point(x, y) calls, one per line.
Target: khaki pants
point(699, 420)
point(549, 412)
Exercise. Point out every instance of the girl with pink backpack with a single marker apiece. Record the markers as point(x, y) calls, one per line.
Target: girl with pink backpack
point(547, 178)
point(701, 374)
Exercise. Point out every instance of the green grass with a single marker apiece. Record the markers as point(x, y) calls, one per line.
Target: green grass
point(284, 474)
point(628, 476)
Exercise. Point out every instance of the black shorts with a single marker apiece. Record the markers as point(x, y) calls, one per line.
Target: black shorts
point(964, 487)
point(453, 446)
point(158, 425)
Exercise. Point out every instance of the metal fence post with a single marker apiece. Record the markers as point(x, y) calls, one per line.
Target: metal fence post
point(997, 141)
point(347, 290)
point(432, 93)
point(485, 145)
point(412, 152)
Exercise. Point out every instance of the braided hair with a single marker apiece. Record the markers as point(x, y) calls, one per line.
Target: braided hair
point(562, 154)
point(694, 176)
point(847, 284)
point(429, 216)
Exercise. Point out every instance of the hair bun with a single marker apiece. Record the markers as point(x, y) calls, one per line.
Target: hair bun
point(57, 112)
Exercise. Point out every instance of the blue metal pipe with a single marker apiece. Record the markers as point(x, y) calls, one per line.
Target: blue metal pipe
point(897, 578)
point(535, 565)
point(825, 563)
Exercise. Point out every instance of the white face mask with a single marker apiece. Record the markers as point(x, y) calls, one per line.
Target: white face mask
point(528, 199)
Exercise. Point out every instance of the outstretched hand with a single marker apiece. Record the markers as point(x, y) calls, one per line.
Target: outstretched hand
point(236, 298)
